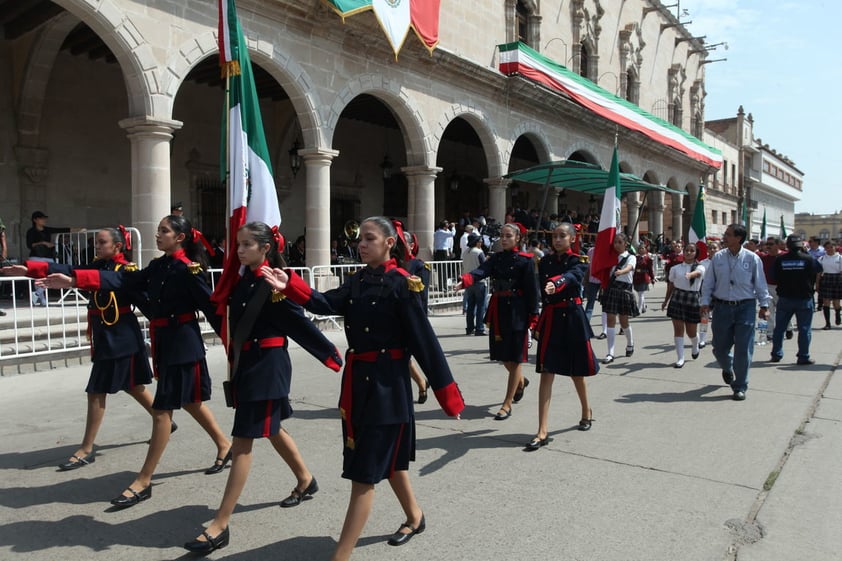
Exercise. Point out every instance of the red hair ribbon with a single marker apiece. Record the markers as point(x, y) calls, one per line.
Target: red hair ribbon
point(279, 239)
point(199, 237)
point(399, 229)
point(577, 242)
point(520, 228)
point(127, 236)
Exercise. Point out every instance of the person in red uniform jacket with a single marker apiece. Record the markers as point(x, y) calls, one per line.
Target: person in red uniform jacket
point(385, 324)
point(177, 289)
point(118, 352)
point(261, 383)
point(512, 311)
point(563, 331)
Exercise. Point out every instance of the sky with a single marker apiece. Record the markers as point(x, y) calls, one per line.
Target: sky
point(783, 67)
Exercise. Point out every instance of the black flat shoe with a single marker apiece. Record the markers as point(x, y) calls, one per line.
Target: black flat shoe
point(503, 414)
point(209, 544)
point(536, 443)
point(694, 356)
point(602, 336)
point(585, 424)
point(297, 497)
point(519, 392)
point(608, 359)
point(75, 462)
point(727, 377)
point(400, 538)
point(136, 496)
point(422, 395)
point(219, 464)
point(629, 351)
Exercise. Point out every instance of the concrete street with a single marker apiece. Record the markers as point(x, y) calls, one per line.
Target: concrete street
point(673, 469)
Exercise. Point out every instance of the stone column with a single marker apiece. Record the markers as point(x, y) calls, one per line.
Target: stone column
point(150, 145)
point(421, 206)
point(677, 217)
point(317, 204)
point(656, 213)
point(497, 187)
point(633, 201)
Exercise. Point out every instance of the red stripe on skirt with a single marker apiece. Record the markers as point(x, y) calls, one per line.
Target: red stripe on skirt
point(197, 383)
point(267, 418)
point(397, 448)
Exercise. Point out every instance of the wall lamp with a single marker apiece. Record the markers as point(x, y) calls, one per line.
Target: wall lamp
point(295, 158)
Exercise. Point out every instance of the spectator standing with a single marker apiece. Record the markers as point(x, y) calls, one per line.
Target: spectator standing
point(795, 273)
point(733, 283)
point(476, 293)
point(39, 240)
point(442, 250)
point(770, 254)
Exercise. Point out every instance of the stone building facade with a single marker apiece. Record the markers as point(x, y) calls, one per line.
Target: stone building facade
point(112, 110)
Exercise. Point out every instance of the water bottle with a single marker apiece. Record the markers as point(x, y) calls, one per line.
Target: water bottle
point(703, 328)
point(762, 327)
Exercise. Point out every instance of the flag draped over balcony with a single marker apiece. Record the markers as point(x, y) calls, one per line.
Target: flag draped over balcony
point(396, 17)
point(604, 256)
point(245, 158)
point(698, 227)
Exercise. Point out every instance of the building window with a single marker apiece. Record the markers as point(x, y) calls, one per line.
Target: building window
point(824, 235)
point(584, 62)
point(713, 217)
point(632, 93)
point(725, 175)
point(660, 109)
point(522, 16)
point(733, 216)
point(724, 217)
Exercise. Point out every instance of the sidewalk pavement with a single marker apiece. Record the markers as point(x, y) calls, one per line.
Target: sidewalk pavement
point(673, 469)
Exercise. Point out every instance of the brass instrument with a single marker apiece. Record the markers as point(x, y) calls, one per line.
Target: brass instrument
point(351, 230)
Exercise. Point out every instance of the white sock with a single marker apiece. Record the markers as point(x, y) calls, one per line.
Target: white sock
point(609, 331)
point(695, 342)
point(629, 337)
point(679, 349)
point(703, 333)
point(641, 300)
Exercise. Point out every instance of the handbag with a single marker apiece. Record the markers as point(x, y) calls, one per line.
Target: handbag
point(239, 337)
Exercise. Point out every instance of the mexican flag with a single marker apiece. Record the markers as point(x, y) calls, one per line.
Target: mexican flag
point(604, 256)
point(763, 226)
point(698, 228)
point(245, 158)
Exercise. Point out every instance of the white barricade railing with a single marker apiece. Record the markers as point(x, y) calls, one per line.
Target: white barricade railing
point(29, 330)
point(77, 248)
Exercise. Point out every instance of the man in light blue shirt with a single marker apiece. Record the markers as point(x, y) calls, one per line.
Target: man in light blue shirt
point(733, 282)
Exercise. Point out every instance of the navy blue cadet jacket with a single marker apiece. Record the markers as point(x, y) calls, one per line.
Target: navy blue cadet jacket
point(563, 330)
point(176, 289)
point(112, 325)
point(264, 371)
point(384, 325)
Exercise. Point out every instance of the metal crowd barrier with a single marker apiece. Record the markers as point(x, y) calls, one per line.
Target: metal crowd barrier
point(27, 330)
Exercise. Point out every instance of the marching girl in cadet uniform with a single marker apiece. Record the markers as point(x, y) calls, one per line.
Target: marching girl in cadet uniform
point(261, 382)
point(177, 288)
point(563, 330)
point(618, 299)
point(118, 352)
point(385, 324)
point(512, 310)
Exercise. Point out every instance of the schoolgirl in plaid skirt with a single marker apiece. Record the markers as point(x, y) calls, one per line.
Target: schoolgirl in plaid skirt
point(830, 283)
point(618, 299)
point(682, 302)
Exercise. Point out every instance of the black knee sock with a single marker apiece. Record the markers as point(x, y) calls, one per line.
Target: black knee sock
point(826, 311)
point(838, 316)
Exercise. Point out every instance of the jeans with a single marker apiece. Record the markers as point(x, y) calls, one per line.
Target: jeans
point(475, 298)
point(802, 309)
point(733, 327)
point(591, 292)
point(40, 295)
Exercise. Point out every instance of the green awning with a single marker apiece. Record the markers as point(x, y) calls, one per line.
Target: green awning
point(584, 177)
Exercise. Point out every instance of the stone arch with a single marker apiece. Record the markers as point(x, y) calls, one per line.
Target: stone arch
point(487, 135)
point(133, 53)
point(289, 74)
point(37, 75)
point(589, 150)
point(534, 133)
point(417, 137)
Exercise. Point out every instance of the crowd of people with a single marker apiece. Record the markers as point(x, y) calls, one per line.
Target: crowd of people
point(513, 293)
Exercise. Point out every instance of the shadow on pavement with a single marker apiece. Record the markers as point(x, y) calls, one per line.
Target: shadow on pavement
point(695, 394)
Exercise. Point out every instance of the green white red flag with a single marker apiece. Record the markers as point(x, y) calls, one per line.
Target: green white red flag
point(698, 227)
point(783, 228)
point(604, 255)
point(396, 17)
point(763, 226)
point(245, 159)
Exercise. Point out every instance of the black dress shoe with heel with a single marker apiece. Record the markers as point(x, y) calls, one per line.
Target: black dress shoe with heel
point(422, 394)
point(75, 462)
point(400, 538)
point(519, 392)
point(123, 501)
point(297, 497)
point(585, 424)
point(209, 543)
point(503, 414)
point(219, 464)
